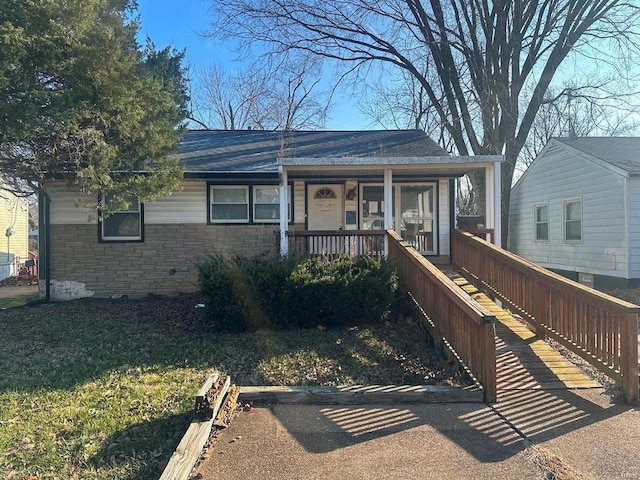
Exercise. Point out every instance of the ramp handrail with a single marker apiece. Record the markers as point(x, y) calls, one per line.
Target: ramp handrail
point(602, 329)
point(454, 317)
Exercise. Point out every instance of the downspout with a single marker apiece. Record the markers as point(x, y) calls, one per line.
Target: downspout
point(284, 212)
point(44, 237)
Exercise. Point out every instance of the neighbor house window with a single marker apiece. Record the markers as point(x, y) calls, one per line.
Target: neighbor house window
point(229, 204)
point(573, 220)
point(542, 222)
point(123, 225)
point(266, 203)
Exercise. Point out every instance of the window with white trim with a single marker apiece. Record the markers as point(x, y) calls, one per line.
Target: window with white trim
point(542, 222)
point(123, 225)
point(266, 203)
point(229, 204)
point(573, 220)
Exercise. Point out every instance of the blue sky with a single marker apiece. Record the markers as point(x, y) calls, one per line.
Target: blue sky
point(181, 24)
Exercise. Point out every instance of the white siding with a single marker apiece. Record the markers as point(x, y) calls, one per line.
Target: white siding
point(634, 227)
point(186, 206)
point(298, 202)
point(63, 208)
point(559, 175)
point(444, 218)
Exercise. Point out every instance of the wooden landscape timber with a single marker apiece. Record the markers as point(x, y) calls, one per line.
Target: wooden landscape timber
point(208, 403)
point(228, 408)
point(361, 394)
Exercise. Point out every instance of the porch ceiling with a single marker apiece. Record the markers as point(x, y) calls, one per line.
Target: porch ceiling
point(441, 166)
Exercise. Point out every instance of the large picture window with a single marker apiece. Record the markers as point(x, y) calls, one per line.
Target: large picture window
point(542, 222)
point(229, 204)
point(573, 220)
point(123, 225)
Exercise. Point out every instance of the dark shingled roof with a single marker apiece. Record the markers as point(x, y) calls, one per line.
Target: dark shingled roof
point(259, 150)
point(621, 152)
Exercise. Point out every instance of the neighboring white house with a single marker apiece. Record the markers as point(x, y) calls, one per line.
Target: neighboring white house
point(576, 210)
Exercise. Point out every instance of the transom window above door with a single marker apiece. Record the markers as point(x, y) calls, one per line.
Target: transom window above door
point(325, 193)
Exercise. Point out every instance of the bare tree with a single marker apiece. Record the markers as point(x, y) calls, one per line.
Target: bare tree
point(227, 101)
point(494, 60)
point(402, 104)
point(268, 96)
point(574, 112)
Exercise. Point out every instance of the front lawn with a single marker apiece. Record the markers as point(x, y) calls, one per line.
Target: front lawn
point(17, 301)
point(103, 389)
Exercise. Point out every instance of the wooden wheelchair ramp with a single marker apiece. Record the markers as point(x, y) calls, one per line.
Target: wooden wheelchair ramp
point(524, 361)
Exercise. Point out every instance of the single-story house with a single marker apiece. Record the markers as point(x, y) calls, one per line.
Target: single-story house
point(250, 191)
point(576, 210)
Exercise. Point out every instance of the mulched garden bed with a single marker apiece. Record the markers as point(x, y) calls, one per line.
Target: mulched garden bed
point(19, 281)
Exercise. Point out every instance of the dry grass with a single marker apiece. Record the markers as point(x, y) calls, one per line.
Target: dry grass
point(104, 389)
point(552, 466)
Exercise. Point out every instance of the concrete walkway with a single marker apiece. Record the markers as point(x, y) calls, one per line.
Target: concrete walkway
point(578, 431)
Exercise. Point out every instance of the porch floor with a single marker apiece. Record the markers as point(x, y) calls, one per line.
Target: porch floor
point(524, 361)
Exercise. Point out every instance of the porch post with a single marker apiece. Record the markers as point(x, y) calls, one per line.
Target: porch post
point(388, 205)
point(497, 209)
point(492, 201)
point(284, 212)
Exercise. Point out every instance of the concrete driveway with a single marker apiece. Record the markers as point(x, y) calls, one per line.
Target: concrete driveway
point(582, 434)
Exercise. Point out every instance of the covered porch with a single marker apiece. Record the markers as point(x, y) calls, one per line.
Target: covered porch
point(344, 205)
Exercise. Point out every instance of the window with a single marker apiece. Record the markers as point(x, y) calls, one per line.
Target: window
point(124, 225)
point(542, 222)
point(266, 203)
point(247, 203)
point(372, 207)
point(412, 211)
point(229, 204)
point(325, 193)
point(573, 220)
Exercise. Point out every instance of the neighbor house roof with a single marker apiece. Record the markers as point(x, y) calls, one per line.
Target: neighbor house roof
point(621, 152)
point(245, 151)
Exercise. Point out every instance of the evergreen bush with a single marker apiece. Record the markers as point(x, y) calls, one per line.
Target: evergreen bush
point(266, 292)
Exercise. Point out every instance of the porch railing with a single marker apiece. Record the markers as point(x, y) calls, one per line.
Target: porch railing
point(335, 242)
point(451, 315)
point(486, 233)
point(601, 329)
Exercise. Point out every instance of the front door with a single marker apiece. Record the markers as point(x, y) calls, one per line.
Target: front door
point(325, 207)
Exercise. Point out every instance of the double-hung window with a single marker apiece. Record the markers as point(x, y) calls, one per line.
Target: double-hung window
point(573, 220)
point(542, 222)
point(266, 203)
point(123, 225)
point(229, 204)
point(246, 203)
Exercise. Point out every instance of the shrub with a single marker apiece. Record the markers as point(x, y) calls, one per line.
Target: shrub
point(249, 293)
point(216, 281)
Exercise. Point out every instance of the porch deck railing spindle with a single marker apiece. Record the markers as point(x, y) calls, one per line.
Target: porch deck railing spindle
point(351, 242)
